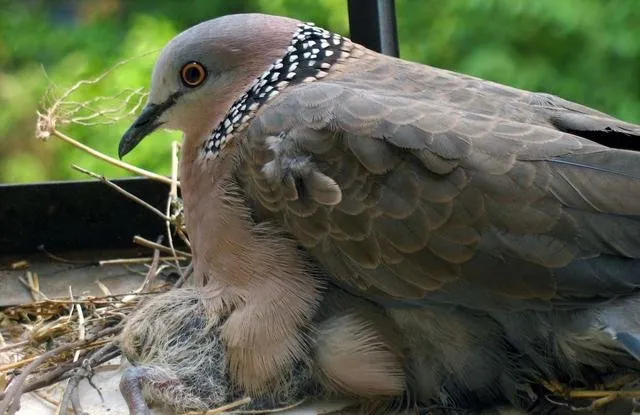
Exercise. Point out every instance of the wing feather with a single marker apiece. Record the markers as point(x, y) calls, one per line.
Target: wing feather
point(450, 189)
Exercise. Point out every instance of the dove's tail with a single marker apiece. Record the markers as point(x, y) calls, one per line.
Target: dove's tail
point(629, 341)
point(622, 322)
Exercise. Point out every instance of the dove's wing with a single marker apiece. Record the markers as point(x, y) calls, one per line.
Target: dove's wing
point(412, 184)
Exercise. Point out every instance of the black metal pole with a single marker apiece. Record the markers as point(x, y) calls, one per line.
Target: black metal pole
point(372, 23)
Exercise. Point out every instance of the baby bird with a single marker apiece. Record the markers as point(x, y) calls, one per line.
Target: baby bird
point(180, 361)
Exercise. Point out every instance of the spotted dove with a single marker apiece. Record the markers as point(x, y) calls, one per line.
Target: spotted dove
point(498, 229)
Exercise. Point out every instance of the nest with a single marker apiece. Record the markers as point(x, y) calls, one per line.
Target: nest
point(51, 340)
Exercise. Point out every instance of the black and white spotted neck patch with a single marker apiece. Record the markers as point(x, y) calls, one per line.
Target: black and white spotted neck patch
point(312, 52)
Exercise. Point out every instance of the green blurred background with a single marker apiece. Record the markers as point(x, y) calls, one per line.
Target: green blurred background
point(584, 50)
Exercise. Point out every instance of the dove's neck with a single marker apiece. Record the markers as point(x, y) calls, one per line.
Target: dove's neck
point(248, 267)
point(230, 250)
point(215, 227)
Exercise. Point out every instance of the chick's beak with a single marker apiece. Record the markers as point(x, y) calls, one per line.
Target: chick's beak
point(145, 124)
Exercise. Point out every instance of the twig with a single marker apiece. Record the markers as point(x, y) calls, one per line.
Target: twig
point(271, 411)
point(85, 371)
point(108, 159)
point(58, 258)
point(60, 373)
point(596, 394)
point(130, 261)
point(120, 190)
point(75, 402)
point(99, 78)
point(23, 362)
point(47, 399)
point(184, 277)
point(89, 300)
point(46, 124)
point(176, 208)
point(11, 398)
point(63, 405)
point(12, 346)
point(173, 192)
point(153, 269)
point(81, 327)
point(223, 408)
point(22, 264)
point(150, 244)
point(19, 363)
point(33, 284)
point(32, 291)
point(599, 398)
point(105, 290)
point(72, 383)
point(73, 306)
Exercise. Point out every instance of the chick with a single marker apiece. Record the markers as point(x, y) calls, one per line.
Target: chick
point(179, 359)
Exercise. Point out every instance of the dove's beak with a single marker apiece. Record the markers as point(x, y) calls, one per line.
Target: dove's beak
point(145, 124)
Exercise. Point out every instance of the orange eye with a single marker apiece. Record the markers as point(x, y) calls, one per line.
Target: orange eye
point(193, 74)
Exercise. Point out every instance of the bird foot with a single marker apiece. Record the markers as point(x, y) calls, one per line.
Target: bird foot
point(131, 390)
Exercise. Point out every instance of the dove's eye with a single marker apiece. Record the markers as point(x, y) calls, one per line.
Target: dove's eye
point(193, 74)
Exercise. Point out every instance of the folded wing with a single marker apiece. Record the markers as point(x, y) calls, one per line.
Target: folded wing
point(412, 185)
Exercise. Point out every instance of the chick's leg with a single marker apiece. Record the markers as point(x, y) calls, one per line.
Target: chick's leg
point(131, 390)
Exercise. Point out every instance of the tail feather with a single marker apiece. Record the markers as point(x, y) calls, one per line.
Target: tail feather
point(629, 341)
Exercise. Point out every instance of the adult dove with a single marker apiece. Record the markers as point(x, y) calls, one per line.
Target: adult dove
point(498, 229)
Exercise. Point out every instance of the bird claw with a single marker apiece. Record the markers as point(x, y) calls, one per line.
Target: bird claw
point(131, 390)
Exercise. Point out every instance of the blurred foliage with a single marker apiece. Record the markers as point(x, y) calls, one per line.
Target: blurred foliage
point(584, 50)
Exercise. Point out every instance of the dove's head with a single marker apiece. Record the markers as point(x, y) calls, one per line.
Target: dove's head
point(201, 72)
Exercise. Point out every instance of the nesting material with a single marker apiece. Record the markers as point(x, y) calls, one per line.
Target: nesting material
point(50, 340)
